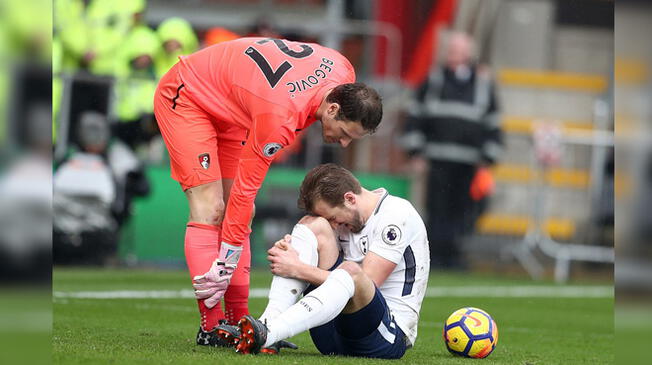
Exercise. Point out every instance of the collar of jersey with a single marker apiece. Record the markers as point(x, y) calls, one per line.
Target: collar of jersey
point(382, 198)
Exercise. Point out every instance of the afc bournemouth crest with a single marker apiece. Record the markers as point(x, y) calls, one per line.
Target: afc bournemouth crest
point(392, 234)
point(271, 148)
point(205, 160)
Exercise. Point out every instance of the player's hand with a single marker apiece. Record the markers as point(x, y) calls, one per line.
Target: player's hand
point(213, 284)
point(284, 242)
point(284, 260)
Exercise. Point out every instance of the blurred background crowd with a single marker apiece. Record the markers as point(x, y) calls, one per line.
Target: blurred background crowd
point(499, 125)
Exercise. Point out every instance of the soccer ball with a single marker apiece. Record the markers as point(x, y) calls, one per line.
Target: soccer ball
point(470, 332)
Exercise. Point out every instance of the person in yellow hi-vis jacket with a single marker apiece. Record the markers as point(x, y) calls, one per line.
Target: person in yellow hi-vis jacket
point(135, 86)
point(57, 84)
point(92, 34)
point(177, 38)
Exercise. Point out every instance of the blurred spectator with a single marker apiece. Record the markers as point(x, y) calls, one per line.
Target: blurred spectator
point(25, 41)
point(26, 196)
point(177, 38)
point(93, 189)
point(135, 85)
point(84, 226)
point(28, 26)
point(217, 35)
point(93, 31)
point(4, 91)
point(452, 130)
point(57, 84)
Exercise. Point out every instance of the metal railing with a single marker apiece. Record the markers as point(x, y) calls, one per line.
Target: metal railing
point(600, 141)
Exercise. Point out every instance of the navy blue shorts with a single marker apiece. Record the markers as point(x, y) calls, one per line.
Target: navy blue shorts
point(370, 332)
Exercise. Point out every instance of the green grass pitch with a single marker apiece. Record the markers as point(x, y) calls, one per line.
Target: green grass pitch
point(533, 329)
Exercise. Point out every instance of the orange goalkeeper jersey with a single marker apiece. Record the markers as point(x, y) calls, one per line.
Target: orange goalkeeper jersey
point(269, 87)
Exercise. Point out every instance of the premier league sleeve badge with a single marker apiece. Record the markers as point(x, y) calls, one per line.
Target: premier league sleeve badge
point(392, 234)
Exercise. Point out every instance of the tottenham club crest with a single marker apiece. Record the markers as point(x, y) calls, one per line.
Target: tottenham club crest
point(205, 160)
point(364, 242)
point(392, 234)
point(271, 148)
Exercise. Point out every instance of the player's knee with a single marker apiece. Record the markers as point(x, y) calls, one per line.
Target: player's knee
point(327, 249)
point(219, 207)
point(210, 212)
point(321, 228)
point(206, 203)
point(318, 225)
point(215, 211)
point(353, 269)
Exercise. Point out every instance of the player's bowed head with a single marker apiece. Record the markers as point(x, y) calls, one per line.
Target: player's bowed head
point(348, 112)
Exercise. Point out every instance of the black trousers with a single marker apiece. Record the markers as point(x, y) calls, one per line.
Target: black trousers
point(451, 211)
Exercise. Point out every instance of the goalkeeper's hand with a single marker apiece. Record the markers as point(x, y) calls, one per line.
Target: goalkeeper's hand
point(213, 284)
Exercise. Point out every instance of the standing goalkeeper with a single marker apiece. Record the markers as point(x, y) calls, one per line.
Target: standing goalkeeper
point(224, 112)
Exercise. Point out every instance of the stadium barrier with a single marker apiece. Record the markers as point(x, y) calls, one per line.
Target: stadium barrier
point(549, 144)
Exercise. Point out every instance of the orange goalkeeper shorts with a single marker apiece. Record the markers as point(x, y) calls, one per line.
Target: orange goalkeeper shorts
point(201, 148)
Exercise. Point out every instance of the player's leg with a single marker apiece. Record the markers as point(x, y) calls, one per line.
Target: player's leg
point(361, 325)
point(347, 287)
point(191, 142)
point(202, 238)
point(314, 240)
point(346, 284)
point(236, 297)
point(369, 330)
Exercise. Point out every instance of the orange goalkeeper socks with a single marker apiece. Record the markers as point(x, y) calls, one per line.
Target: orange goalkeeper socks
point(202, 245)
point(236, 298)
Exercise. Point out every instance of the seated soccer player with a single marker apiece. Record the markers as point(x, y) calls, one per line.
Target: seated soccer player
point(361, 261)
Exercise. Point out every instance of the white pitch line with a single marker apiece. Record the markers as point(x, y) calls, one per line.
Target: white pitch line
point(432, 292)
point(531, 291)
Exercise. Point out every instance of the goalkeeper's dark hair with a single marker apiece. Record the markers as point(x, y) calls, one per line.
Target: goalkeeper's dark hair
point(328, 182)
point(358, 103)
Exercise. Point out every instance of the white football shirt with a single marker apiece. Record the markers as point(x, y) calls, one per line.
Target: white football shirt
point(396, 232)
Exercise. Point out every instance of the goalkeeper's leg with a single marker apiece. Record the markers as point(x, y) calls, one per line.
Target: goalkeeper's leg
point(201, 249)
point(236, 298)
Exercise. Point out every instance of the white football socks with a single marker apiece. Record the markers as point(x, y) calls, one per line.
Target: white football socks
point(318, 307)
point(285, 292)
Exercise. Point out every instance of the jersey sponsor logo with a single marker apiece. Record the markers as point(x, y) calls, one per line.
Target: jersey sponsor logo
point(392, 234)
point(364, 243)
point(271, 148)
point(204, 160)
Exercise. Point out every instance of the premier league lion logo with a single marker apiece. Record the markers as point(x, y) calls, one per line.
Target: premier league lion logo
point(271, 148)
point(391, 234)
